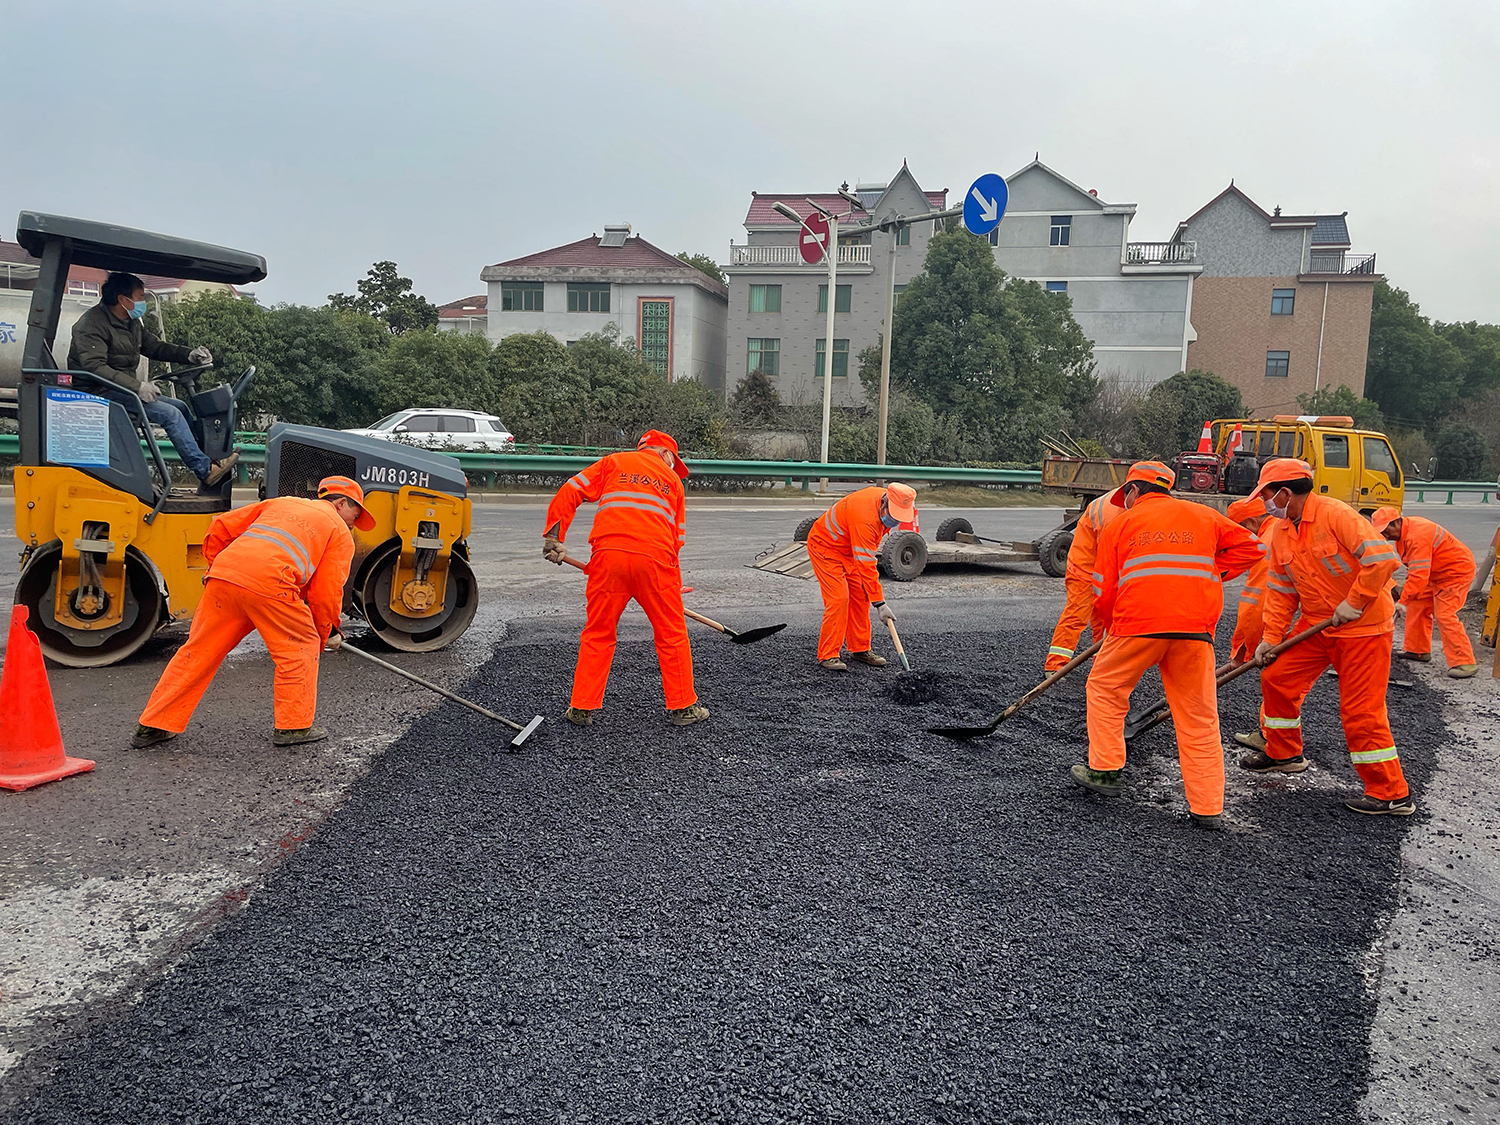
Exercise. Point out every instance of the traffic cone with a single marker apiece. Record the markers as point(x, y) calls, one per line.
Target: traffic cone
point(31, 749)
point(1205, 440)
point(1234, 442)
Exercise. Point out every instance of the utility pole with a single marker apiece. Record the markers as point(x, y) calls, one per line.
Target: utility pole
point(833, 299)
point(885, 348)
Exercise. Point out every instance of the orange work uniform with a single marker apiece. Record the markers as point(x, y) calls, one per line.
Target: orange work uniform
point(1248, 624)
point(1439, 570)
point(1329, 556)
point(843, 546)
point(1079, 579)
point(638, 531)
point(279, 568)
point(1158, 595)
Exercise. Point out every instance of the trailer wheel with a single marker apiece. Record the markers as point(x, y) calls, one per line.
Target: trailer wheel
point(903, 555)
point(1052, 551)
point(948, 530)
point(803, 528)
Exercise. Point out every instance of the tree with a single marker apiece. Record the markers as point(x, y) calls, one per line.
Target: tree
point(1413, 374)
point(1461, 452)
point(1479, 349)
point(389, 299)
point(1171, 418)
point(755, 401)
point(1341, 400)
point(706, 264)
point(443, 369)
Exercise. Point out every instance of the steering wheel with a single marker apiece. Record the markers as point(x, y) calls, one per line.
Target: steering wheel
point(189, 375)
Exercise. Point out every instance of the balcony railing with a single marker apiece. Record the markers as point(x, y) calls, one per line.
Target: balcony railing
point(1160, 253)
point(1338, 262)
point(852, 254)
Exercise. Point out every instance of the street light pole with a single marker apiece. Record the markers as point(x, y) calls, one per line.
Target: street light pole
point(833, 276)
point(885, 348)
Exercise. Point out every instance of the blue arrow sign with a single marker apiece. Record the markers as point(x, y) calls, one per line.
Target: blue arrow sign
point(985, 203)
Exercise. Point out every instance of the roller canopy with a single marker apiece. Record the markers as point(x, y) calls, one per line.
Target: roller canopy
point(108, 247)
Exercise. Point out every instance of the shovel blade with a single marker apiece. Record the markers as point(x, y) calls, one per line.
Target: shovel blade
point(750, 636)
point(905, 663)
point(963, 734)
point(525, 732)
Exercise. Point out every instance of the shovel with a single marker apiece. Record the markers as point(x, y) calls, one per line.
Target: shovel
point(980, 732)
point(748, 637)
point(900, 651)
point(1141, 718)
point(525, 732)
point(1230, 672)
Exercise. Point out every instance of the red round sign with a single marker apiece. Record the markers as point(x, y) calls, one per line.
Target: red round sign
point(812, 239)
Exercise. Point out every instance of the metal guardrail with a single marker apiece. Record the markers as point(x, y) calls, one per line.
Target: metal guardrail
point(1484, 488)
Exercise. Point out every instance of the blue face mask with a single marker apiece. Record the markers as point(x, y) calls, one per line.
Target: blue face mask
point(137, 310)
point(889, 520)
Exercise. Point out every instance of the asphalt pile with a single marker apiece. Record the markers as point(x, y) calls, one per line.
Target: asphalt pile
point(805, 909)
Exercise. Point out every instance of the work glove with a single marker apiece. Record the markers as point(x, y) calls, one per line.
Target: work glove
point(1343, 613)
point(200, 354)
point(149, 391)
point(335, 639)
point(1400, 610)
point(553, 550)
point(1263, 654)
point(883, 612)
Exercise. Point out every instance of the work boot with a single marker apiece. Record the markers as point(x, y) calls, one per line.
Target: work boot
point(1374, 806)
point(1419, 657)
point(833, 664)
point(150, 736)
point(221, 469)
point(1462, 671)
point(1100, 781)
point(579, 717)
point(1261, 762)
point(1210, 821)
point(1251, 739)
point(298, 737)
point(874, 660)
point(687, 716)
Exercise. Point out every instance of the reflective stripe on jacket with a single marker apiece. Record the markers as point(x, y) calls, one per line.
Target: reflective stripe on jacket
point(1433, 556)
point(1085, 547)
point(1161, 566)
point(1247, 617)
point(642, 507)
point(287, 547)
point(852, 528)
point(1331, 555)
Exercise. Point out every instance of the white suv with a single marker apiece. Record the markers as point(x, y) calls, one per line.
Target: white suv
point(443, 429)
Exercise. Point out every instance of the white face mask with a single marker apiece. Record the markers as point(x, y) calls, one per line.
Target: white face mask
point(1273, 510)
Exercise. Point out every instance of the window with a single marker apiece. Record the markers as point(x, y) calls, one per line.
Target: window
point(656, 336)
point(521, 296)
point(903, 236)
point(1335, 451)
point(994, 236)
point(1057, 287)
point(765, 357)
point(1379, 459)
point(840, 303)
point(1278, 364)
point(765, 298)
point(1275, 443)
point(78, 288)
point(840, 358)
point(388, 421)
point(588, 297)
point(458, 424)
point(425, 424)
point(1282, 301)
point(1062, 229)
point(896, 298)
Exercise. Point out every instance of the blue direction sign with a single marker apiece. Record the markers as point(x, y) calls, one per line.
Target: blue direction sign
point(985, 203)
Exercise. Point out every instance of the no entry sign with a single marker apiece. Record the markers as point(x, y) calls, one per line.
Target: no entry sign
point(812, 240)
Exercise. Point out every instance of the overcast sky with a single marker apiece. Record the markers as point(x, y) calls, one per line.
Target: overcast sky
point(327, 134)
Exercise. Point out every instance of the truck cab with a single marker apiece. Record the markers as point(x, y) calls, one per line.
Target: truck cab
point(1358, 467)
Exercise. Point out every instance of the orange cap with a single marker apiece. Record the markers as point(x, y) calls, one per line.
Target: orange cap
point(343, 486)
point(1151, 472)
point(664, 441)
point(901, 501)
point(1384, 517)
point(1246, 508)
point(1281, 470)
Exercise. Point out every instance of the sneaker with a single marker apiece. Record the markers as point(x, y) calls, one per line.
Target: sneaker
point(874, 660)
point(1374, 806)
point(298, 737)
point(1419, 657)
point(1261, 762)
point(1210, 821)
point(1251, 740)
point(150, 736)
point(579, 717)
point(833, 664)
point(1463, 671)
point(221, 469)
point(687, 716)
point(1100, 781)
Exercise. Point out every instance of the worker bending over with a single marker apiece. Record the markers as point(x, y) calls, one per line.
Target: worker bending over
point(1080, 579)
point(843, 546)
point(277, 567)
point(638, 532)
point(1326, 556)
point(1439, 569)
point(1158, 594)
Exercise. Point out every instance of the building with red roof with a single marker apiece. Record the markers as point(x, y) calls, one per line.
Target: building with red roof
point(468, 316)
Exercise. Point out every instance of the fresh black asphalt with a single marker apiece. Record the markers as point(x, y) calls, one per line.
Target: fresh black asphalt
point(805, 909)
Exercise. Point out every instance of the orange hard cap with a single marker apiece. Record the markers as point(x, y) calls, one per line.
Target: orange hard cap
point(1281, 470)
point(349, 490)
point(1246, 508)
point(1148, 472)
point(1384, 517)
point(658, 440)
point(901, 500)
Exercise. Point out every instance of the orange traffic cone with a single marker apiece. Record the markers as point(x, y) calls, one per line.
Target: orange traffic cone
point(31, 749)
point(1235, 439)
point(1205, 440)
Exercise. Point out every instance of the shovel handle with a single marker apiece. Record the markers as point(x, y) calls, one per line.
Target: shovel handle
point(698, 617)
point(1240, 669)
point(1077, 661)
point(896, 640)
point(404, 674)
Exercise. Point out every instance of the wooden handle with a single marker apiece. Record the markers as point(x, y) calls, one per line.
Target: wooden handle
point(709, 621)
point(571, 561)
point(444, 692)
point(895, 638)
point(1240, 669)
point(1052, 679)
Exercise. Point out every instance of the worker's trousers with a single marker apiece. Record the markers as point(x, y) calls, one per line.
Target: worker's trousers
point(846, 603)
point(1070, 626)
point(1187, 673)
point(225, 617)
point(1364, 666)
point(615, 577)
point(1443, 598)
